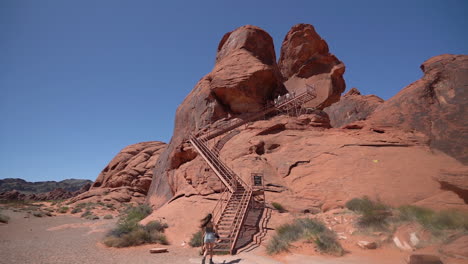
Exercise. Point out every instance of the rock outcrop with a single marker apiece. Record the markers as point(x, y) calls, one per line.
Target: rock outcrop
point(352, 107)
point(435, 105)
point(244, 78)
point(127, 177)
point(305, 61)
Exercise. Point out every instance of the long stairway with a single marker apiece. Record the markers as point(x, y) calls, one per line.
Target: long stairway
point(284, 105)
point(230, 216)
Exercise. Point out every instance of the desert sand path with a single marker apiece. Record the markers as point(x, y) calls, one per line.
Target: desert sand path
point(69, 239)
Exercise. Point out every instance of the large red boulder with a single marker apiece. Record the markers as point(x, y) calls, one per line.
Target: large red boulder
point(352, 107)
point(305, 61)
point(245, 77)
point(435, 105)
point(131, 167)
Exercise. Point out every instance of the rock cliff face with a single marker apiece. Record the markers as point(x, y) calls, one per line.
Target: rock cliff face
point(435, 105)
point(244, 78)
point(304, 160)
point(352, 107)
point(127, 177)
point(306, 61)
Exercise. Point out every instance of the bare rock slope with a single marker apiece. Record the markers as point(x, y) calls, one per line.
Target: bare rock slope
point(435, 105)
point(127, 177)
point(352, 107)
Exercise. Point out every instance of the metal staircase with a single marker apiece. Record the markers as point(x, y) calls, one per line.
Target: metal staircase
point(232, 208)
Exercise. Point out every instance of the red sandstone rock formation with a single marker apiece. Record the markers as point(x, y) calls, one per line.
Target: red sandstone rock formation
point(127, 177)
point(435, 105)
point(306, 61)
point(244, 78)
point(352, 107)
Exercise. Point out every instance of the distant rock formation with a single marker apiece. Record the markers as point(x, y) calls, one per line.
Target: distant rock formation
point(71, 185)
point(306, 61)
point(57, 194)
point(435, 105)
point(127, 177)
point(352, 107)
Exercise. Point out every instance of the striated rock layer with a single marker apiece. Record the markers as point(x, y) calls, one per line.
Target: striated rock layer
point(435, 105)
point(127, 177)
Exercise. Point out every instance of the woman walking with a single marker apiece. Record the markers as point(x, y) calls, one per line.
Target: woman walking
point(209, 237)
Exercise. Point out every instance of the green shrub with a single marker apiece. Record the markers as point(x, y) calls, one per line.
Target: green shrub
point(327, 243)
point(156, 226)
point(373, 214)
point(63, 209)
point(435, 221)
point(108, 217)
point(359, 204)
point(4, 218)
point(129, 233)
point(38, 214)
point(309, 229)
point(92, 217)
point(86, 213)
point(278, 207)
point(76, 210)
point(197, 239)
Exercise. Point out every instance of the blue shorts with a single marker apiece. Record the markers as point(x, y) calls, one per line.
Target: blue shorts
point(209, 237)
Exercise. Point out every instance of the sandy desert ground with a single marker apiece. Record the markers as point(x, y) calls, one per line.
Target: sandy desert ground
point(70, 239)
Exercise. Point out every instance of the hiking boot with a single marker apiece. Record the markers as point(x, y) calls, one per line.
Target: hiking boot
point(211, 261)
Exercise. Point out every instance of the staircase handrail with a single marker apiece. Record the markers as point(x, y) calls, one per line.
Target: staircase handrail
point(241, 219)
point(228, 180)
point(217, 212)
point(270, 107)
point(233, 177)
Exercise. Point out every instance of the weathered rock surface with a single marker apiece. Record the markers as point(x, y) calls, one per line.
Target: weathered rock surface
point(244, 78)
point(352, 107)
point(455, 181)
point(127, 177)
point(306, 61)
point(321, 166)
point(131, 167)
point(457, 248)
point(435, 105)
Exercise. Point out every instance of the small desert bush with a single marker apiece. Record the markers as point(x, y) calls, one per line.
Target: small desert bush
point(63, 209)
point(309, 229)
point(197, 239)
point(86, 213)
point(38, 213)
point(327, 242)
point(4, 218)
point(435, 221)
point(278, 207)
point(129, 233)
point(92, 217)
point(77, 210)
point(108, 217)
point(374, 214)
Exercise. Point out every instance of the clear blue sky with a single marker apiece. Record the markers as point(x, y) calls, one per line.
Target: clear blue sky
point(80, 80)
